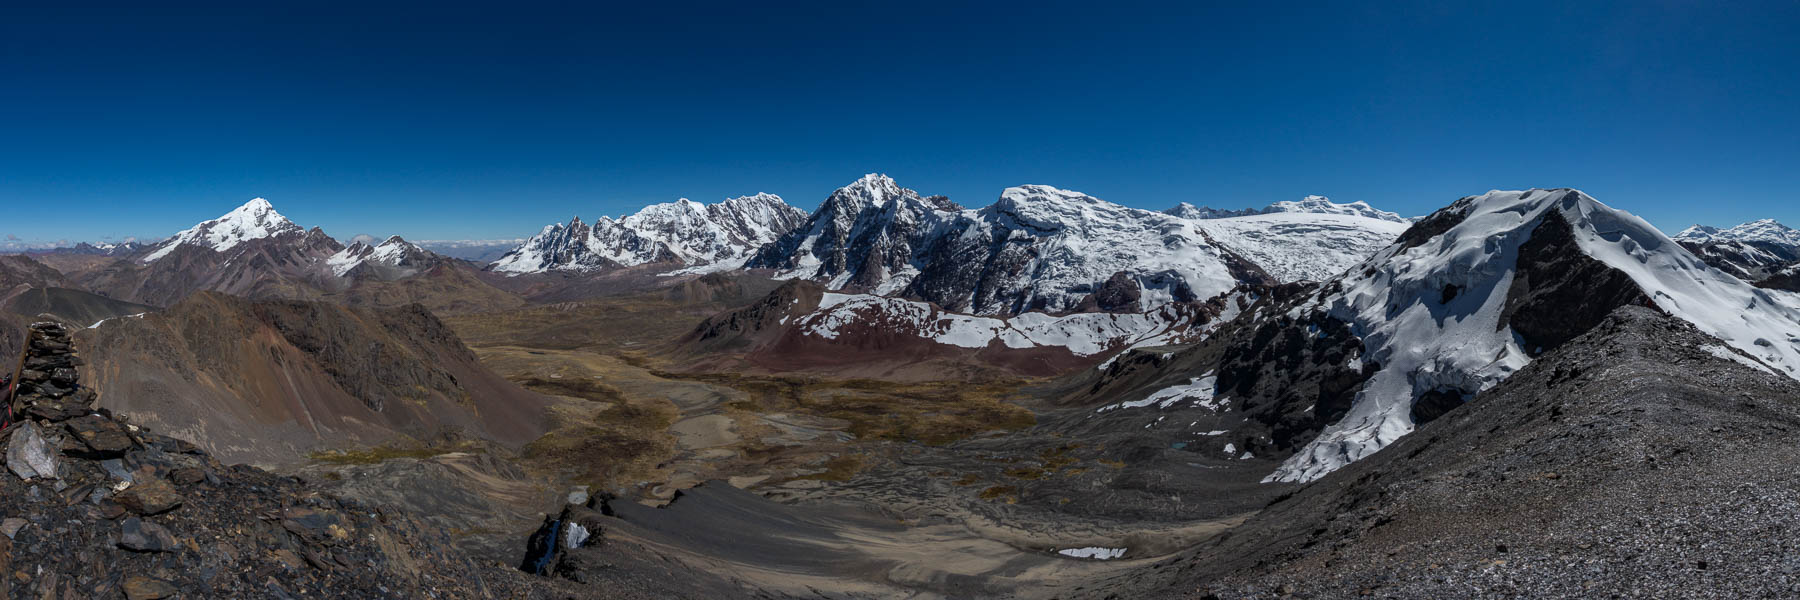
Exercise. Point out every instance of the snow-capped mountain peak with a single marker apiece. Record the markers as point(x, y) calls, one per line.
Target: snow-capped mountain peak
point(684, 234)
point(392, 252)
point(1473, 292)
point(1324, 206)
point(256, 219)
point(874, 189)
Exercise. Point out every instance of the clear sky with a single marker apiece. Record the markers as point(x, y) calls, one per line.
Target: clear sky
point(448, 121)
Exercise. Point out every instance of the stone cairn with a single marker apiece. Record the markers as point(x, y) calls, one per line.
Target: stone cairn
point(48, 386)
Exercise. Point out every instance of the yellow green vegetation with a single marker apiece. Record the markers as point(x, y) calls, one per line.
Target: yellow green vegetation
point(839, 468)
point(574, 387)
point(1005, 493)
point(376, 454)
point(933, 413)
point(600, 324)
point(1050, 462)
point(620, 443)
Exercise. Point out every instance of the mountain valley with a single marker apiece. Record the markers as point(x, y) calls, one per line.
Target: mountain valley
point(1053, 396)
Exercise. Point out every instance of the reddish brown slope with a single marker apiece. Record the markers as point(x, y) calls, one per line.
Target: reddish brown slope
point(270, 381)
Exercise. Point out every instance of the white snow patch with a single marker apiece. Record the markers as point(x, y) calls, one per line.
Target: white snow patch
point(1729, 354)
point(1199, 390)
point(1092, 552)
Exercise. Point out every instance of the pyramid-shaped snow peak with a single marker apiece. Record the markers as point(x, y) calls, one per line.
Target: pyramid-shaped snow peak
point(256, 219)
point(1470, 294)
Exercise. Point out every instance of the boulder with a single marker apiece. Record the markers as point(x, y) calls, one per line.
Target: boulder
point(103, 437)
point(139, 535)
point(52, 411)
point(31, 455)
point(325, 527)
point(139, 587)
point(149, 496)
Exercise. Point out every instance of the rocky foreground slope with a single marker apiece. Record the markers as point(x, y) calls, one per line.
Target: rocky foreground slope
point(1641, 459)
point(95, 507)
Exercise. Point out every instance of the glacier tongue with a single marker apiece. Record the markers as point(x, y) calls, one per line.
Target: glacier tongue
point(1430, 313)
point(1303, 246)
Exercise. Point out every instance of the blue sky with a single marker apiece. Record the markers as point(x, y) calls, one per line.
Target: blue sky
point(448, 121)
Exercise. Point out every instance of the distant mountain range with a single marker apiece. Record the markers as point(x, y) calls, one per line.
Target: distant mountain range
point(677, 235)
point(1310, 204)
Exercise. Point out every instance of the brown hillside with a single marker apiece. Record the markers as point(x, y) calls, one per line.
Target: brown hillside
point(271, 381)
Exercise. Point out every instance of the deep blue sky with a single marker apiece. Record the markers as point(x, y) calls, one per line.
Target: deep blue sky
point(442, 121)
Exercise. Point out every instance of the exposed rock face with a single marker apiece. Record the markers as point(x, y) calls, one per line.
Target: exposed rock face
point(1119, 294)
point(271, 381)
point(709, 237)
point(1748, 260)
point(1558, 292)
point(1295, 376)
point(1787, 279)
point(1035, 249)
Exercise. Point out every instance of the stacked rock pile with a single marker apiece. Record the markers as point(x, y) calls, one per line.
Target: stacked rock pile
point(48, 380)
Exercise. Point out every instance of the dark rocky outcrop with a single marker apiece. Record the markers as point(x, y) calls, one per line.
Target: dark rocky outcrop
point(1559, 292)
point(1294, 375)
point(1120, 293)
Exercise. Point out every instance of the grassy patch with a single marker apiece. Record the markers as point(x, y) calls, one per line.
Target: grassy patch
point(575, 387)
point(933, 413)
point(1005, 493)
point(839, 468)
point(383, 453)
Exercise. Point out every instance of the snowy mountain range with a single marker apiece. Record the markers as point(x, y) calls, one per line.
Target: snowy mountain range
point(1768, 231)
point(682, 234)
point(392, 253)
point(1037, 248)
point(1318, 205)
point(1753, 251)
